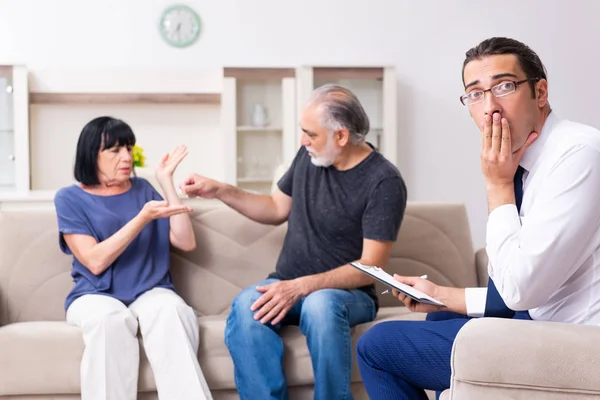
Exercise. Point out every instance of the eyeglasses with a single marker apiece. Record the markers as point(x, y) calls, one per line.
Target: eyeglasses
point(499, 90)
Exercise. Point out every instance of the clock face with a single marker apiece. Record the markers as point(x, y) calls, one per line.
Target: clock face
point(180, 26)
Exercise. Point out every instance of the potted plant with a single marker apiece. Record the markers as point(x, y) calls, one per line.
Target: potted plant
point(139, 159)
point(140, 168)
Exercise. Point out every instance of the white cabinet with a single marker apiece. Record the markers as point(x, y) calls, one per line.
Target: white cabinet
point(14, 129)
point(7, 157)
point(257, 129)
point(376, 89)
point(258, 121)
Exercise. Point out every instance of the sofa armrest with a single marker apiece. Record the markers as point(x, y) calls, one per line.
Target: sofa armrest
point(530, 355)
point(481, 265)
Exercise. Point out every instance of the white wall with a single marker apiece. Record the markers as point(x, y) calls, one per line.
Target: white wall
point(426, 40)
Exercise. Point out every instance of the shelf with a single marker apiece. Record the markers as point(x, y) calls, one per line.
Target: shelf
point(130, 98)
point(348, 73)
point(5, 71)
point(254, 180)
point(250, 128)
point(259, 73)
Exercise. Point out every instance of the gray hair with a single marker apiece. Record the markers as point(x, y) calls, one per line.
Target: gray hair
point(341, 109)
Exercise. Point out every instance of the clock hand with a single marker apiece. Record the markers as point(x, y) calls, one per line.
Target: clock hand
point(178, 31)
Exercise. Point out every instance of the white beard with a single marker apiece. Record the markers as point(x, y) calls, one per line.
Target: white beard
point(327, 157)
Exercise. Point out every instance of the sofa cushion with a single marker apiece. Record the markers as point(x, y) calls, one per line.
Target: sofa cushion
point(31, 352)
point(233, 252)
point(44, 358)
point(297, 363)
point(39, 358)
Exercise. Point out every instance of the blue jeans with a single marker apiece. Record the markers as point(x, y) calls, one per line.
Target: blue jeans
point(324, 317)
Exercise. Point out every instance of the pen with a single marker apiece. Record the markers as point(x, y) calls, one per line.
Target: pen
point(422, 277)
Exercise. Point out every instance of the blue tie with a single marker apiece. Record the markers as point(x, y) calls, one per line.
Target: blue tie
point(518, 182)
point(494, 305)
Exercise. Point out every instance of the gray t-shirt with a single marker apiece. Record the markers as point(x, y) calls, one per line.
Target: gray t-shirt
point(333, 211)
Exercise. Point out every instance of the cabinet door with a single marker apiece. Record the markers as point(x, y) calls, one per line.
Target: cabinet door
point(7, 148)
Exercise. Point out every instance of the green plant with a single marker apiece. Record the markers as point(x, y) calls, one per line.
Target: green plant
point(139, 160)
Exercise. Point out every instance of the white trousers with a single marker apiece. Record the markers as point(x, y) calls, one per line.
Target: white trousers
point(110, 364)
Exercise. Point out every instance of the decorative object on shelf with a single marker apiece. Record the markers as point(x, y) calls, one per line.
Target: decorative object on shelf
point(179, 26)
point(139, 159)
point(140, 167)
point(260, 116)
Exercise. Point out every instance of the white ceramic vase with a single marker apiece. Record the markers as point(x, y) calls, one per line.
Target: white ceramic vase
point(260, 116)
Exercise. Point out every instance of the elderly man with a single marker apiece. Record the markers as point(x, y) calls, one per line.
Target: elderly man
point(343, 202)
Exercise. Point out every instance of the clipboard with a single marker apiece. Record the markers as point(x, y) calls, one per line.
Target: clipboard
point(389, 280)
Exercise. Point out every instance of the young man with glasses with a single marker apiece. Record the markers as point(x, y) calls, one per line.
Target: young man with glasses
point(543, 232)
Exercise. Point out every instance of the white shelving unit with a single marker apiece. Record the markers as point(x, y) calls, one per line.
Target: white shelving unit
point(173, 107)
point(375, 87)
point(250, 128)
point(254, 149)
point(14, 129)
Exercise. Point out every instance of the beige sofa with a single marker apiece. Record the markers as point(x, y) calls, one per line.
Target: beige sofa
point(40, 353)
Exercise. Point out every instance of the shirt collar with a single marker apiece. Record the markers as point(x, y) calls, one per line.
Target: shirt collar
point(534, 151)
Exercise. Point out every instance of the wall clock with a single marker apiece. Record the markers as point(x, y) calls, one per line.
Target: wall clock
point(179, 25)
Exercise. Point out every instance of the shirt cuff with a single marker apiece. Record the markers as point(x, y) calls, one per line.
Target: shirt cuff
point(475, 299)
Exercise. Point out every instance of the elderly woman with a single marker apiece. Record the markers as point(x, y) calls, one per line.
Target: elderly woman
point(119, 229)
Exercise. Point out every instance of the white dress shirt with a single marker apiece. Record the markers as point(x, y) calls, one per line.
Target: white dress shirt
point(547, 258)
